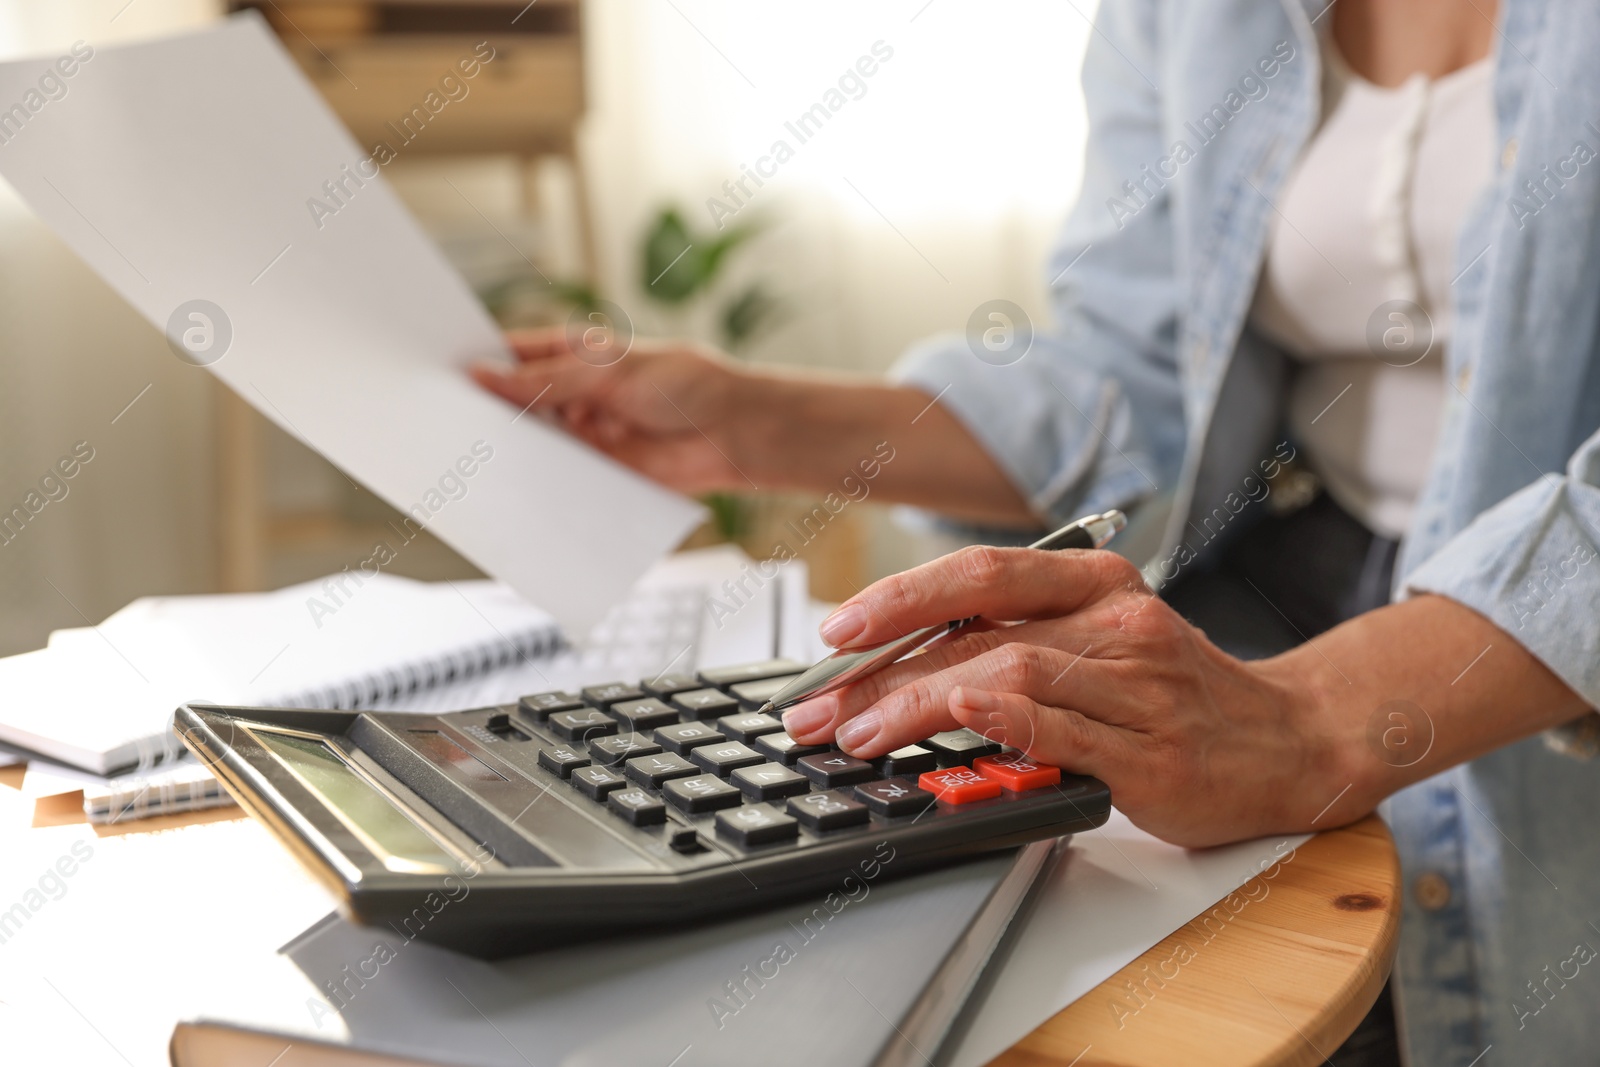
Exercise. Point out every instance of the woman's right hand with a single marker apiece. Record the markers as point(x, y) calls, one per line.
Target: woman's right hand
point(671, 411)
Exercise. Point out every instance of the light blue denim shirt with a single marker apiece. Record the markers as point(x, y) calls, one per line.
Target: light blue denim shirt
point(1151, 389)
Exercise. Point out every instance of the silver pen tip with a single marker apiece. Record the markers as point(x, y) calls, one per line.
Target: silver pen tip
point(765, 708)
point(1106, 526)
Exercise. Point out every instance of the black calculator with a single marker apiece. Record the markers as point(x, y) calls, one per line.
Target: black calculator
point(621, 807)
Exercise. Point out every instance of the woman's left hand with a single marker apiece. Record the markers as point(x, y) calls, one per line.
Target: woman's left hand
point(1080, 665)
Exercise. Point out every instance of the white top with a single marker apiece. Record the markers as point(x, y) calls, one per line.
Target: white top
point(1369, 217)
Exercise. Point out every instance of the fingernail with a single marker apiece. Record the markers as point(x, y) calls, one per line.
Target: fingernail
point(859, 730)
point(809, 717)
point(844, 624)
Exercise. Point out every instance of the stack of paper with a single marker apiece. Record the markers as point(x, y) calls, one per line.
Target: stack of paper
point(101, 698)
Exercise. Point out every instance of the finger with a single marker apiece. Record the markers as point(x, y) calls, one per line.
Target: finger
point(531, 345)
point(921, 708)
point(814, 721)
point(997, 583)
point(1059, 737)
point(545, 385)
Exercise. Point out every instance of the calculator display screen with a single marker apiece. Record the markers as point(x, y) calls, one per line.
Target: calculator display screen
point(388, 834)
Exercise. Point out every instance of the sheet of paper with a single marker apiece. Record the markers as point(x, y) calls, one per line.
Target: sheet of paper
point(186, 169)
point(1114, 896)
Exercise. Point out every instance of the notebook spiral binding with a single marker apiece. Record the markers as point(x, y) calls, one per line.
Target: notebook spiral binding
point(158, 782)
point(363, 692)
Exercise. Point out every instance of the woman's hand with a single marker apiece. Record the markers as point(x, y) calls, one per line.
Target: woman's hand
point(672, 412)
point(1096, 675)
point(696, 422)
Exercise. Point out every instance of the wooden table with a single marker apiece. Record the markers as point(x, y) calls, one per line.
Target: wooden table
point(1315, 953)
point(1298, 969)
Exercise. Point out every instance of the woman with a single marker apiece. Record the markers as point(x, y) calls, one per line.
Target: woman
point(1282, 202)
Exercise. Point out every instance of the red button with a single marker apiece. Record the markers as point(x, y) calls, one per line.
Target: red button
point(959, 785)
point(1017, 772)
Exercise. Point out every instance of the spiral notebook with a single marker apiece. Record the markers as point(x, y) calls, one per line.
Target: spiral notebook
point(101, 698)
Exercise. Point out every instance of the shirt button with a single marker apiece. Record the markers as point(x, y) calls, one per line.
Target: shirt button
point(1508, 155)
point(1431, 891)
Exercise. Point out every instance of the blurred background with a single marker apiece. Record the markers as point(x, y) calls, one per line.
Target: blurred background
point(587, 154)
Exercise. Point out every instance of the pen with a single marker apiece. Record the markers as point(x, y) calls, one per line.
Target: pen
point(845, 667)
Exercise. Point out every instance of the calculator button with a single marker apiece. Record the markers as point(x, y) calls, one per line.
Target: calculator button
point(959, 785)
point(596, 782)
point(756, 825)
point(833, 769)
point(644, 715)
point(894, 796)
point(960, 747)
point(581, 724)
point(680, 737)
point(749, 726)
point(755, 694)
point(611, 751)
point(723, 759)
point(785, 749)
point(683, 839)
point(1017, 772)
point(562, 760)
point(704, 793)
point(827, 811)
point(637, 806)
point(666, 685)
point(770, 781)
point(705, 704)
point(911, 760)
point(654, 770)
point(540, 705)
point(603, 696)
point(750, 672)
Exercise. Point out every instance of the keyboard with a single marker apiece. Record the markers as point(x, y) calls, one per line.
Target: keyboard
point(625, 806)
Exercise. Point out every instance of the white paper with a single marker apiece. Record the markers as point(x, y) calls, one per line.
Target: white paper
point(1117, 894)
point(181, 169)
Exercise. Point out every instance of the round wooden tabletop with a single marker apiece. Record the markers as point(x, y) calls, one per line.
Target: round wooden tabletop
point(1288, 982)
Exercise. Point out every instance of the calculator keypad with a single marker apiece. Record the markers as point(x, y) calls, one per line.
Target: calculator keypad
point(702, 793)
point(833, 769)
point(614, 751)
point(704, 703)
point(683, 736)
point(894, 797)
point(960, 747)
point(695, 745)
point(769, 781)
point(637, 806)
point(828, 811)
point(596, 782)
point(655, 771)
point(784, 749)
point(724, 759)
point(756, 824)
point(581, 724)
point(749, 726)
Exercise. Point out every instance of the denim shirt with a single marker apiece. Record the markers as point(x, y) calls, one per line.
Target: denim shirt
point(1151, 390)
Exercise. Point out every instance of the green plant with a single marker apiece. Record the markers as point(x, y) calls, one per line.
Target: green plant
point(679, 267)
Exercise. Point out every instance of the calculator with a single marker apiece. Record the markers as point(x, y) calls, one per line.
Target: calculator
point(622, 807)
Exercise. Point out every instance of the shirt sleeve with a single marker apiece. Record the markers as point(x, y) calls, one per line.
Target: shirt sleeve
point(1529, 564)
point(1091, 416)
